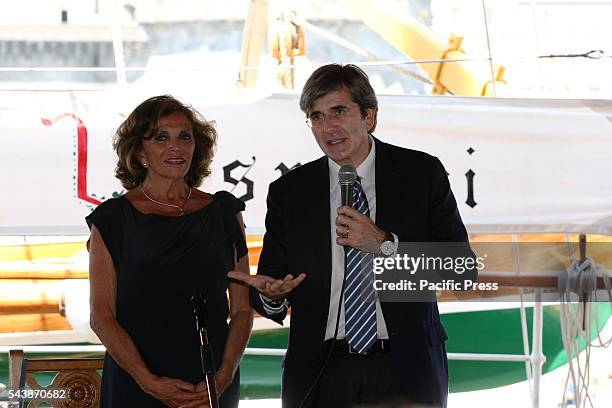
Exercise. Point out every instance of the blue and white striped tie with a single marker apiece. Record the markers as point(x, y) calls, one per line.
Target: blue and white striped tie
point(359, 296)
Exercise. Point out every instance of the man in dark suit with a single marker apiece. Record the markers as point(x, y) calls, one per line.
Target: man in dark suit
point(382, 350)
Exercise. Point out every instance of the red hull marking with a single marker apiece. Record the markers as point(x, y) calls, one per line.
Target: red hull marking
point(81, 156)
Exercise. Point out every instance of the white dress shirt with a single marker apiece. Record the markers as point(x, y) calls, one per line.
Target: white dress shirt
point(367, 172)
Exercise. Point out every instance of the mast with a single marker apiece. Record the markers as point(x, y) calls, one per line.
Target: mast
point(253, 38)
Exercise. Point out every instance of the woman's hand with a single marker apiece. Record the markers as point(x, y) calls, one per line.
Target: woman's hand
point(223, 378)
point(171, 391)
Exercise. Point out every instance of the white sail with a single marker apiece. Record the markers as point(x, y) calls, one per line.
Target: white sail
point(531, 165)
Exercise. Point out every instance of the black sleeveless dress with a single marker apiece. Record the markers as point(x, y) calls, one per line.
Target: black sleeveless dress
point(161, 262)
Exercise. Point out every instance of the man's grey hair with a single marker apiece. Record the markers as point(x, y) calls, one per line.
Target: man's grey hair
point(330, 78)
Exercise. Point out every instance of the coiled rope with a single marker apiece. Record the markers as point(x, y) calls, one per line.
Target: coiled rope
point(577, 318)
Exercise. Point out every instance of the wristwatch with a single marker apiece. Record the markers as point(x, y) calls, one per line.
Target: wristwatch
point(387, 247)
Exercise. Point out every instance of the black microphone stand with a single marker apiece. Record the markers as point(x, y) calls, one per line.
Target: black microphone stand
point(206, 357)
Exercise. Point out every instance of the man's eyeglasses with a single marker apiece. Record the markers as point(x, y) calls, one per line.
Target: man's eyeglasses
point(317, 119)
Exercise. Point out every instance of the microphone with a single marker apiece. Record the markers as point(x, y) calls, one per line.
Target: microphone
point(347, 175)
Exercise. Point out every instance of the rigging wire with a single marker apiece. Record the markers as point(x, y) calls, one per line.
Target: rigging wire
point(538, 45)
point(484, 11)
point(591, 55)
point(355, 48)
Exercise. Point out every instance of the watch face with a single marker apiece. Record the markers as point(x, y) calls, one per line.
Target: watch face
point(387, 247)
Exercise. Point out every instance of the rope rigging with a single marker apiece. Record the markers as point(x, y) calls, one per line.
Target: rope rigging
point(577, 319)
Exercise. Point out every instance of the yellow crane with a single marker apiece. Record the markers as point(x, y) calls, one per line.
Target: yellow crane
point(419, 43)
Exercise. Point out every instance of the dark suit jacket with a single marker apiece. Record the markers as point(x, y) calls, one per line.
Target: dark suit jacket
point(414, 201)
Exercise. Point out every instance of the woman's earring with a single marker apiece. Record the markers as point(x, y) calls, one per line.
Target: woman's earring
point(145, 164)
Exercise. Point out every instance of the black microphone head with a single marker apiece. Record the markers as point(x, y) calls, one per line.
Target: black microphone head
point(198, 301)
point(347, 175)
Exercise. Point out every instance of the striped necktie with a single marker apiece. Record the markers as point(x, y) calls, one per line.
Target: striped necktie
point(359, 296)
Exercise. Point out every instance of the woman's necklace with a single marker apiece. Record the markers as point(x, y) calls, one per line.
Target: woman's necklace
point(180, 208)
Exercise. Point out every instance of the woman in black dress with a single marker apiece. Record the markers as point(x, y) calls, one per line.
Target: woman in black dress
point(151, 250)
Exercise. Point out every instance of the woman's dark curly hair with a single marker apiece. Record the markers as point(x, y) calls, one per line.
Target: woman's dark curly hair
point(141, 124)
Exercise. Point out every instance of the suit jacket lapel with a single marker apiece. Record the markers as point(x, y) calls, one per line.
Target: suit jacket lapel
point(386, 179)
point(317, 214)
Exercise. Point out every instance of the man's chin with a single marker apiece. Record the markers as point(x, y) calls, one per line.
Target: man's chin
point(338, 157)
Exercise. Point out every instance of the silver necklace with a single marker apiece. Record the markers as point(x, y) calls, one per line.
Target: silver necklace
point(180, 208)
